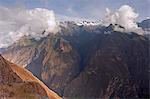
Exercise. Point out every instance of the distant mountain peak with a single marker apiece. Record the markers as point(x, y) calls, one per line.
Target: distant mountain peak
point(145, 24)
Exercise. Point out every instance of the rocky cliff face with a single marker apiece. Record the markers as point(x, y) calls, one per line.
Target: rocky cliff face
point(88, 62)
point(16, 82)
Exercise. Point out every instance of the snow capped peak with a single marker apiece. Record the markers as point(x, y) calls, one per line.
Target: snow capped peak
point(89, 23)
point(82, 23)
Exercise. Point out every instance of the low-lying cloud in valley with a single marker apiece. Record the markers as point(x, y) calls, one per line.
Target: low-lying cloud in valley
point(18, 22)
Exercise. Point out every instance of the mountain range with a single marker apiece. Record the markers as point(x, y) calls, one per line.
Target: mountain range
point(87, 61)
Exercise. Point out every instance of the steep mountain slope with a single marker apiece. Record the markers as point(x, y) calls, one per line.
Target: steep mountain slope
point(53, 61)
point(117, 68)
point(16, 82)
point(88, 61)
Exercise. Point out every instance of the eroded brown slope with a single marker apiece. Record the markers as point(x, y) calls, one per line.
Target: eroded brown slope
point(16, 83)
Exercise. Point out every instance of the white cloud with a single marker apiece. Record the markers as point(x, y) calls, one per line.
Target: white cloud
point(18, 22)
point(124, 16)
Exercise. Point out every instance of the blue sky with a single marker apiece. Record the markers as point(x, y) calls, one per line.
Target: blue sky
point(90, 9)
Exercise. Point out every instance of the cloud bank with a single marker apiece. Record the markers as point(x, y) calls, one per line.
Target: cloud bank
point(18, 22)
